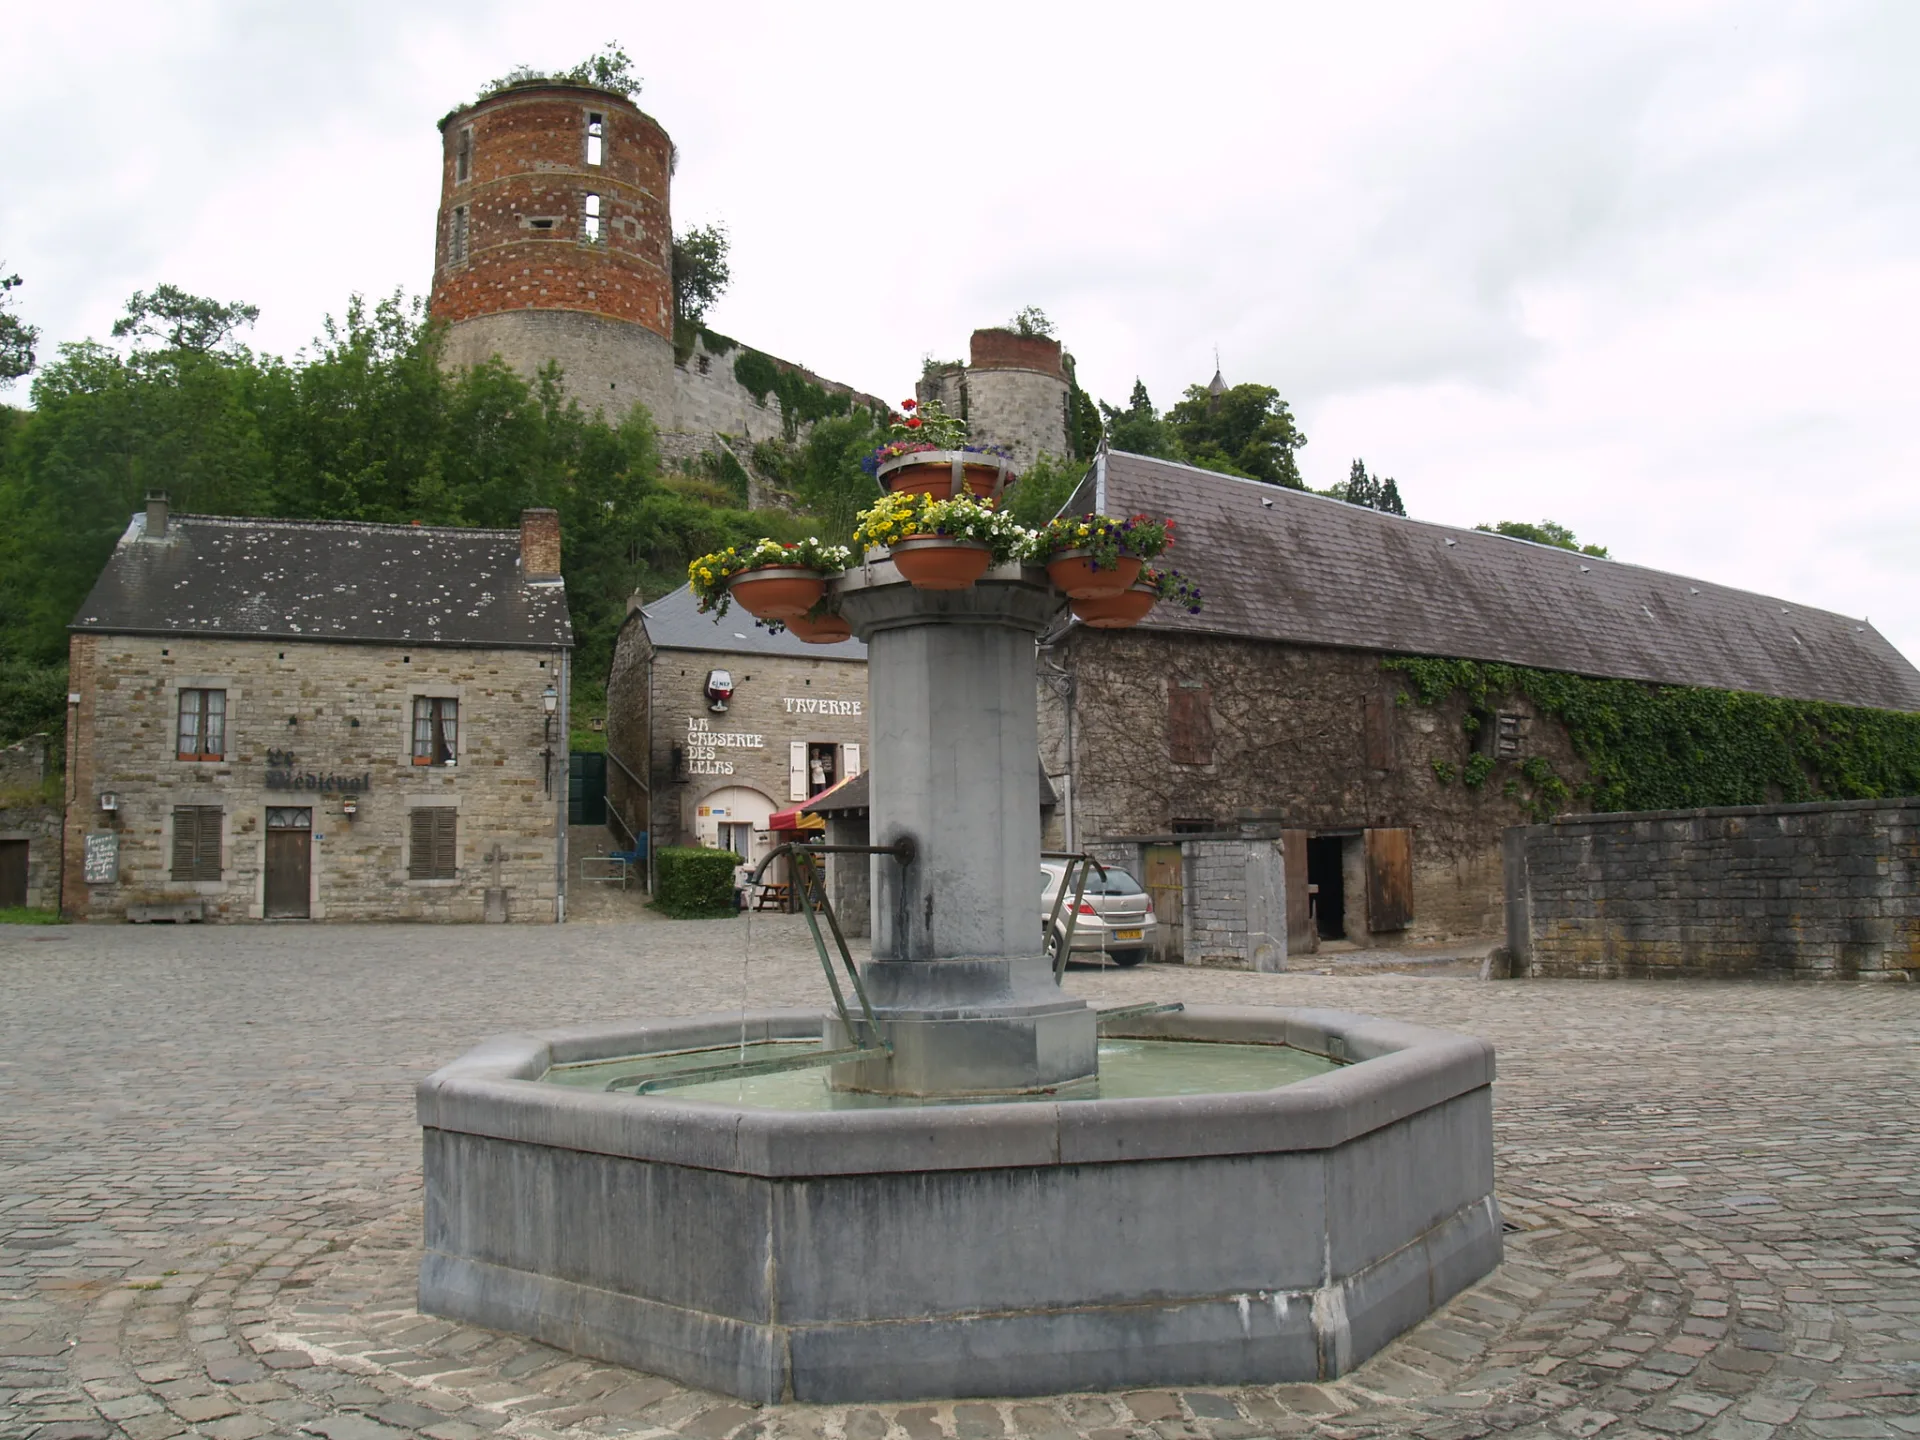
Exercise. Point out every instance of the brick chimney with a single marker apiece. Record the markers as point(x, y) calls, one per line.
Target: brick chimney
point(159, 503)
point(540, 545)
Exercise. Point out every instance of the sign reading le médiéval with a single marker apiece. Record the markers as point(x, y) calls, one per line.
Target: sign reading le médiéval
point(282, 776)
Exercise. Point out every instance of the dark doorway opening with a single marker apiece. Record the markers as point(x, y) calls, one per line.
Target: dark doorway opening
point(821, 769)
point(13, 874)
point(1325, 869)
point(586, 788)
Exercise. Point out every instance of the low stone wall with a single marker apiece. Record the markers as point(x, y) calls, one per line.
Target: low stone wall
point(1816, 892)
point(39, 827)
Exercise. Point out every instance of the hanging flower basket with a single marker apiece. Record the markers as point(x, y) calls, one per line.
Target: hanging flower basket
point(824, 629)
point(778, 592)
point(1073, 571)
point(940, 562)
point(942, 474)
point(1118, 611)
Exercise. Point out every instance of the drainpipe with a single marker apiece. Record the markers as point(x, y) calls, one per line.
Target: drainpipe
point(647, 760)
point(563, 664)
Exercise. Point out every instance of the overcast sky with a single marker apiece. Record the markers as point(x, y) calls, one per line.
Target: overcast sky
point(1652, 271)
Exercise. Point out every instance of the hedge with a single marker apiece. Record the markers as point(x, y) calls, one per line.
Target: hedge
point(694, 883)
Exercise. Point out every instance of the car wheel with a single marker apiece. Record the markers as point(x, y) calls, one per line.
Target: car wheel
point(1126, 959)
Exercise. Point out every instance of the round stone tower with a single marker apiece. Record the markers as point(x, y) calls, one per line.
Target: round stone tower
point(556, 242)
point(1013, 392)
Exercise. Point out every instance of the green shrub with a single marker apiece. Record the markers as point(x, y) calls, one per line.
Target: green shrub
point(21, 915)
point(694, 883)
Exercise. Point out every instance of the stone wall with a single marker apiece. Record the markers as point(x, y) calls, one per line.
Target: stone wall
point(343, 711)
point(23, 765)
point(607, 365)
point(39, 826)
point(1814, 892)
point(1281, 732)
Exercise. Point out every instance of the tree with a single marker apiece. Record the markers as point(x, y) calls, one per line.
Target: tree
point(1140, 429)
point(1031, 320)
point(182, 321)
point(1043, 488)
point(1083, 416)
point(700, 271)
point(1243, 430)
point(608, 68)
point(16, 336)
point(1372, 491)
point(1545, 533)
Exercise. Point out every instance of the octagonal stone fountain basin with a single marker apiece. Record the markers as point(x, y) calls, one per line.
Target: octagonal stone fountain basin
point(931, 1251)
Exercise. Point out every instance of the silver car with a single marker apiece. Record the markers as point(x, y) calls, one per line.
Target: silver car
point(1115, 921)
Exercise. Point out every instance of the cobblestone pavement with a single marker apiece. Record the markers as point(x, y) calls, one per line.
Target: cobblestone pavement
point(209, 1200)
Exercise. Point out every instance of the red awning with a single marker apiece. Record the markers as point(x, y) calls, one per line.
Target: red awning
point(795, 818)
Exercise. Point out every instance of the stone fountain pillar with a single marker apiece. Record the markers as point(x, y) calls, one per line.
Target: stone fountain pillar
point(962, 989)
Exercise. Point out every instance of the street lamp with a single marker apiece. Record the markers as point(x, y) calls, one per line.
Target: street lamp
point(550, 702)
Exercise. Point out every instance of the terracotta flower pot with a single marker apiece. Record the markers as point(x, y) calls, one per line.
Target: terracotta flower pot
point(932, 472)
point(827, 630)
point(935, 562)
point(1117, 612)
point(1073, 572)
point(777, 592)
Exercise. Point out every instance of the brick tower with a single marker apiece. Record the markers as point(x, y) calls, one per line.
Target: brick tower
point(1013, 392)
point(556, 242)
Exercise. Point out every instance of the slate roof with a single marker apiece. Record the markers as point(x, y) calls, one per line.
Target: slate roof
point(238, 578)
point(674, 622)
point(1314, 571)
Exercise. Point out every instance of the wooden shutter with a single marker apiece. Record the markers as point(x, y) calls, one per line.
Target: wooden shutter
point(186, 832)
point(1377, 726)
point(1389, 879)
point(849, 760)
point(1189, 723)
point(796, 769)
point(196, 842)
point(432, 852)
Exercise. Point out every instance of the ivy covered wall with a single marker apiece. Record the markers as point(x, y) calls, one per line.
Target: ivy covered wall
point(1670, 747)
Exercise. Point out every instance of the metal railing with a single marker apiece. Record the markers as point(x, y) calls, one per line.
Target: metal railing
point(813, 901)
point(1065, 942)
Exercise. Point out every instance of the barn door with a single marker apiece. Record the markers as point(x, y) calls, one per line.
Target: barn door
point(1389, 879)
point(13, 874)
point(1166, 887)
point(1300, 937)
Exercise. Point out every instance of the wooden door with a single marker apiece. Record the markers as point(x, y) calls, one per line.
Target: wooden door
point(1167, 887)
point(289, 863)
point(1389, 879)
point(13, 874)
point(1300, 936)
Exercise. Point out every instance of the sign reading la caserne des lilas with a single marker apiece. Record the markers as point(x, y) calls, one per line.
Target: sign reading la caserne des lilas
point(282, 775)
point(704, 744)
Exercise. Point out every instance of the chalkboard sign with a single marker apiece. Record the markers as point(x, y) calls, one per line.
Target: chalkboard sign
point(103, 858)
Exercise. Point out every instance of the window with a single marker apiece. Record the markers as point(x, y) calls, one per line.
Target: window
point(596, 136)
point(463, 157)
point(1507, 733)
point(431, 843)
point(590, 226)
point(203, 725)
point(457, 236)
point(196, 842)
point(1189, 723)
point(436, 731)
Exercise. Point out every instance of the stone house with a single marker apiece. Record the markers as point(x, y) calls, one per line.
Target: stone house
point(282, 719)
point(714, 724)
point(1268, 718)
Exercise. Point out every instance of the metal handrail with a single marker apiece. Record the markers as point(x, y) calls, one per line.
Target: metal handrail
point(1073, 915)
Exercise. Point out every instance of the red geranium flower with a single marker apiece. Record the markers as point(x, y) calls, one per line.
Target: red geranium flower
point(913, 422)
point(909, 404)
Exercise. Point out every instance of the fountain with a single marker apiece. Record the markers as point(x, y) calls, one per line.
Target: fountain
point(963, 1181)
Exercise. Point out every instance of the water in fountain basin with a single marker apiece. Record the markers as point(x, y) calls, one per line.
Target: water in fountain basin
point(1129, 1070)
